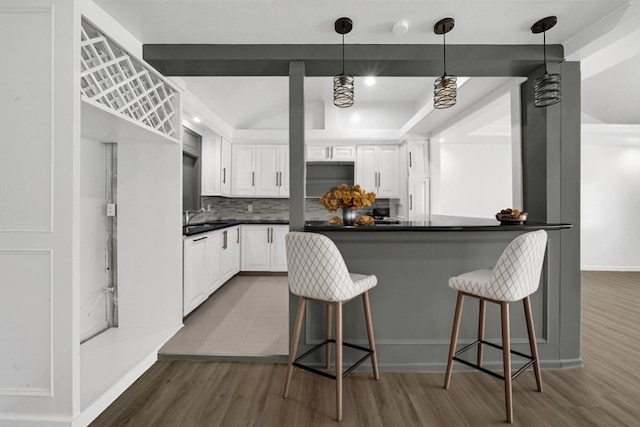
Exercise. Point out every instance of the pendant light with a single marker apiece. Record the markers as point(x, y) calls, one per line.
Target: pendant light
point(547, 89)
point(445, 88)
point(343, 83)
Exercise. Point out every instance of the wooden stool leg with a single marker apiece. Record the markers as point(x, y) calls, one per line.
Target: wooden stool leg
point(481, 316)
point(454, 338)
point(295, 339)
point(339, 361)
point(372, 343)
point(328, 335)
point(506, 359)
point(532, 342)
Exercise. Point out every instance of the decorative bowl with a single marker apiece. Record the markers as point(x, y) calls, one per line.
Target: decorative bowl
point(510, 219)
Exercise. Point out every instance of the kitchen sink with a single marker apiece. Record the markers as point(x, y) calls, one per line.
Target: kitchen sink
point(190, 230)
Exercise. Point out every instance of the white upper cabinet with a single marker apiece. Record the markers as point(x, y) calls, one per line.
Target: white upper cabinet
point(328, 153)
point(377, 169)
point(418, 159)
point(210, 183)
point(243, 175)
point(216, 167)
point(260, 170)
point(225, 166)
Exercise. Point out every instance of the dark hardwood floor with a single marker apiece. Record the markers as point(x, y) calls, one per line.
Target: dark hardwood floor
point(605, 392)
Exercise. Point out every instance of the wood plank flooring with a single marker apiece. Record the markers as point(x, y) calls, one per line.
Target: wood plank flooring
point(605, 392)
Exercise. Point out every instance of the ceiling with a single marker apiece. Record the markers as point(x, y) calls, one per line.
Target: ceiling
point(261, 103)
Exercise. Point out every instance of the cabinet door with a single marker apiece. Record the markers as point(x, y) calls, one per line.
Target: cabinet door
point(225, 168)
point(243, 176)
point(255, 248)
point(343, 153)
point(366, 168)
point(418, 159)
point(419, 199)
point(226, 255)
point(266, 183)
point(210, 180)
point(283, 168)
point(388, 172)
point(194, 276)
point(234, 245)
point(212, 262)
point(278, 248)
point(317, 153)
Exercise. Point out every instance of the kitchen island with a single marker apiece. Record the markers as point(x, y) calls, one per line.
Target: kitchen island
point(413, 306)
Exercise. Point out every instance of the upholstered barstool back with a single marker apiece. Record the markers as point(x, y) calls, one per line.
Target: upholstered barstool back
point(318, 273)
point(515, 277)
point(317, 269)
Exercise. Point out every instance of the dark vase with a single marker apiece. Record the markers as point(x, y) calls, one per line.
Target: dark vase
point(348, 216)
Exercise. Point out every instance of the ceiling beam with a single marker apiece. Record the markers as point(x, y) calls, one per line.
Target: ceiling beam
point(362, 59)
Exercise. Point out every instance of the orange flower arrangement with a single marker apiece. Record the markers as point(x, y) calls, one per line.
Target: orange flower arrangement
point(343, 196)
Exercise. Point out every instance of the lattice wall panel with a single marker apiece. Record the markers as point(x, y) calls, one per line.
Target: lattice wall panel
point(112, 77)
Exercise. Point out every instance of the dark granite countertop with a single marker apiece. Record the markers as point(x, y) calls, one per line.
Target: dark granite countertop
point(446, 224)
point(204, 227)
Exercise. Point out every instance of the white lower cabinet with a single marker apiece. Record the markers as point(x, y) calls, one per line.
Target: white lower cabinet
point(209, 259)
point(263, 248)
point(195, 276)
point(230, 253)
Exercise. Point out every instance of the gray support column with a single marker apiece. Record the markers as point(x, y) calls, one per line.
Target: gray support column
point(551, 181)
point(569, 211)
point(296, 146)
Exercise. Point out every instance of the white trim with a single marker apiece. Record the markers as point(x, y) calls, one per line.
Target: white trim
point(609, 268)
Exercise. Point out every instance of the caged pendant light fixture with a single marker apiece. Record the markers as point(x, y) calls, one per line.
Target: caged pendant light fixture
point(343, 83)
point(547, 89)
point(445, 88)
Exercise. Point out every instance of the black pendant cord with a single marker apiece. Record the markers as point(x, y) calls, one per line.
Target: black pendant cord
point(342, 53)
point(444, 52)
point(544, 50)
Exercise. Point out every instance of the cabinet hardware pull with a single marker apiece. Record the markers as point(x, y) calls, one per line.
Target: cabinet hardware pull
point(379, 175)
point(410, 165)
point(268, 235)
point(238, 235)
point(224, 239)
point(253, 179)
point(224, 175)
point(328, 150)
point(410, 202)
point(201, 238)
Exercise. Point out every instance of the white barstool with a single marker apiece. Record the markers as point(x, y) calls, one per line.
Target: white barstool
point(317, 272)
point(515, 276)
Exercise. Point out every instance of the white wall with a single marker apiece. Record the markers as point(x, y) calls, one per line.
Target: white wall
point(610, 193)
point(471, 176)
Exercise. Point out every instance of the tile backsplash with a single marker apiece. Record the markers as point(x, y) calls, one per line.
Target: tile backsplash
point(272, 209)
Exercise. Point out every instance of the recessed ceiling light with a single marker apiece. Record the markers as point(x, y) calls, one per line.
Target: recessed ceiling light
point(400, 28)
point(196, 119)
point(369, 81)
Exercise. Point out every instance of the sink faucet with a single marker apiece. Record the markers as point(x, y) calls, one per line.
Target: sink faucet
point(190, 214)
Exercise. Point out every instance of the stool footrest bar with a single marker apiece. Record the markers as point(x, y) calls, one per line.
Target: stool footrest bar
point(530, 360)
point(297, 363)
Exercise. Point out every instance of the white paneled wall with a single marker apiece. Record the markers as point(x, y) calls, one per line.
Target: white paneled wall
point(610, 193)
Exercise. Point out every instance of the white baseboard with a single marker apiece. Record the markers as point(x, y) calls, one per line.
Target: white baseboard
point(609, 268)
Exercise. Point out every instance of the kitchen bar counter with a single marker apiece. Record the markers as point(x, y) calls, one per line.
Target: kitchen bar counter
point(413, 305)
point(440, 224)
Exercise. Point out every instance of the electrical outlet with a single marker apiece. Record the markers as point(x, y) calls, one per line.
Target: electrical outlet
point(250, 207)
